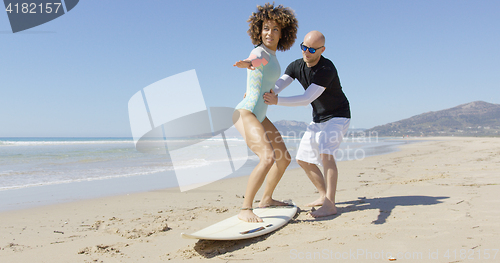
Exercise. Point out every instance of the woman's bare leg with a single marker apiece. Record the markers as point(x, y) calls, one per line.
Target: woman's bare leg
point(255, 136)
point(282, 158)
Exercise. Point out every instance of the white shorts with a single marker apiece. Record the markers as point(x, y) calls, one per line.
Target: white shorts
point(322, 138)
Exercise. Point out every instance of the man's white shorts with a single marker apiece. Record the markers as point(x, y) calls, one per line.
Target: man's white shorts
point(322, 138)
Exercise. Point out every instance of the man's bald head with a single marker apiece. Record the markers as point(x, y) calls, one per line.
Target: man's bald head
point(315, 40)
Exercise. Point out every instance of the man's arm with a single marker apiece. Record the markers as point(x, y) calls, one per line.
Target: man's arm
point(310, 94)
point(282, 83)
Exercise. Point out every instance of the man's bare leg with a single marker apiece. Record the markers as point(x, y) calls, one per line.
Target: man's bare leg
point(316, 177)
point(331, 177)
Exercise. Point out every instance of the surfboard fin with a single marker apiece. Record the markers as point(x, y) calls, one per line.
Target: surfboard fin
point(255, 229)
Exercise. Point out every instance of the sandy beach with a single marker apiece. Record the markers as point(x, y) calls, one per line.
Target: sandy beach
point(433, 201)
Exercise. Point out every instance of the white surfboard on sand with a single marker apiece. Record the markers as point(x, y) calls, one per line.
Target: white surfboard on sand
point(234, 229)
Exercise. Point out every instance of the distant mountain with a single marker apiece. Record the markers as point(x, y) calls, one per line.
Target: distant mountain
point(477, 118)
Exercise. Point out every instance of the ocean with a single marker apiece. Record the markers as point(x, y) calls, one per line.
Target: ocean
point(77, 168)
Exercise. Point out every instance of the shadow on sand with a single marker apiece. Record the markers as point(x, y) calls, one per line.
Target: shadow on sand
point(385, 205)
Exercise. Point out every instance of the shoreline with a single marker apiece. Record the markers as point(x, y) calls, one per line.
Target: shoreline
point(41, 195)
point(419, 203)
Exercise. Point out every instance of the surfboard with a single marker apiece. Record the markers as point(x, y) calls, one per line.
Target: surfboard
point(234, 229)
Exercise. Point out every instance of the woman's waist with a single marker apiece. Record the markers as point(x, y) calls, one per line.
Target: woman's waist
point(265, 87)
point(253, 102)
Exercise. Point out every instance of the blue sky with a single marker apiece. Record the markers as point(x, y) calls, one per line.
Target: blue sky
point(73, 76)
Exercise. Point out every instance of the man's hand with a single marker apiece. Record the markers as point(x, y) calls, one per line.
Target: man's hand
point(271, 98)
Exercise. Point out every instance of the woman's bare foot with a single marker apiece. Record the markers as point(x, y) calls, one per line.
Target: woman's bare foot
point(327, 209)
point(271, 202)
point(247, 215)
point(318, 202)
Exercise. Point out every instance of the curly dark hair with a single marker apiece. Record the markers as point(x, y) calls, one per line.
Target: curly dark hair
point(284, 17)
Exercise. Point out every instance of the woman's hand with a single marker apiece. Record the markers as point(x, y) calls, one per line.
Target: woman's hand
point(244, 64)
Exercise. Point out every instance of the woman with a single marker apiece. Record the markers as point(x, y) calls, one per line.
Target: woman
point(271, 28)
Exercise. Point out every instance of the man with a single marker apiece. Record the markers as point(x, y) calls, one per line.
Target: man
point(331, 117)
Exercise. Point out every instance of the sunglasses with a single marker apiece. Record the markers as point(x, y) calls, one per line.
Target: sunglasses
point(311, 50)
